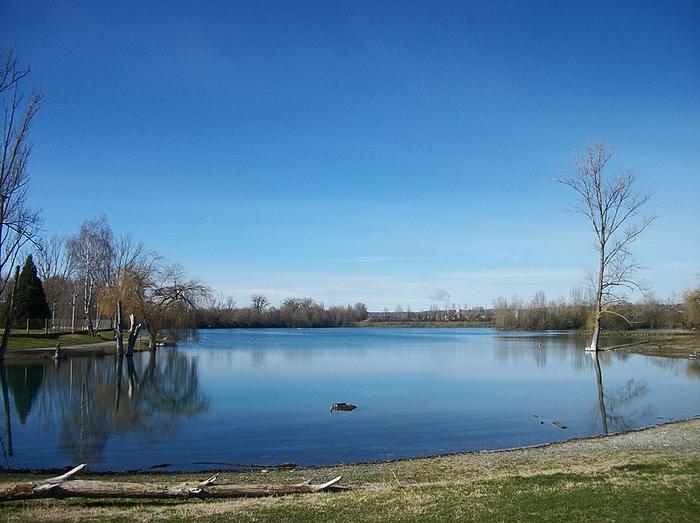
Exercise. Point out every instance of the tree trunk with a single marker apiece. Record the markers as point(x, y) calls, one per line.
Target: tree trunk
point(133, 335)
point(90, 328)
point(72, 316)
point(119, 329)
point(87, 302)
point(598, 298)
point(596, 332)
point(152, 337)
point(97, 317)
point(10, 317)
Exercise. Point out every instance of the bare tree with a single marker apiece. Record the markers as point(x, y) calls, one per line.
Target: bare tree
point(55, 269)
point(691, 307)
point(18, 224)
point(167, 301)
point(611, 207)
point(126, 255)
point(52, 260)
point(119, 289)
point(92, 253)
point(259, 303)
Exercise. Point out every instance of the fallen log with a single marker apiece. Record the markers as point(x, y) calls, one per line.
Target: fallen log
point(66, 487)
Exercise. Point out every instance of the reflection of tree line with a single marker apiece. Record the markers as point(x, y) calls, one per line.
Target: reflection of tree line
point(87, 400)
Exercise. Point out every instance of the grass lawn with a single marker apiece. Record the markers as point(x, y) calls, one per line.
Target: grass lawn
point(36, 339)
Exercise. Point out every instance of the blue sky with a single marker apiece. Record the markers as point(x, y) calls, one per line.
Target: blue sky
point(357, 151)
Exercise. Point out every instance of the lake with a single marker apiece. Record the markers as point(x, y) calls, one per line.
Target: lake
point(246, 398)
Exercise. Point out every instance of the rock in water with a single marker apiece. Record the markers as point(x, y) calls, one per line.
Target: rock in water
point(342, 406)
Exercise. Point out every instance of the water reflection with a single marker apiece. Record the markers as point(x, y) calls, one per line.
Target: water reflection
point(601, 395)
point(87, 401)
point(267, 396)
point(617, 406)
point(7, 443)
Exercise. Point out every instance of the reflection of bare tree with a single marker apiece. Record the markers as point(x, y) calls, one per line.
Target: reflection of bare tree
point(616, 411)
point(601, 397)
point(7, 451)
point(87, 401)
point(85, 422)
point(166, 390)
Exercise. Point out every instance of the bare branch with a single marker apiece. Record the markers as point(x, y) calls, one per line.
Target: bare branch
point(18, 224)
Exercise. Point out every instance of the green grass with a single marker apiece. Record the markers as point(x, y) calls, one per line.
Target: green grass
point(21, 340)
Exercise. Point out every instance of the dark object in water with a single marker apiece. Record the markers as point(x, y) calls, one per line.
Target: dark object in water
point(161, 466)
point(342, 406)
point(552, 421)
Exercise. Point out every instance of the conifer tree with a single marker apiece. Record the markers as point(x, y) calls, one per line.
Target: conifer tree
point(30, 300)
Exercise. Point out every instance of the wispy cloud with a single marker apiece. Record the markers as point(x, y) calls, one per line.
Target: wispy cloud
point(366, 260)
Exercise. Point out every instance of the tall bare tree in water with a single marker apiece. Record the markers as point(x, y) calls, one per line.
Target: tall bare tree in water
point(18, 224)
point(611, 206)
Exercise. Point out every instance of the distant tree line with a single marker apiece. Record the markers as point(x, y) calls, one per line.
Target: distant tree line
point(434, 314)
point(578, 313)
point(293, 312)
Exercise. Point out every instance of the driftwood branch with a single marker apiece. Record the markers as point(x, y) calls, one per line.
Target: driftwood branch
point(66, 487)
point(68, 475)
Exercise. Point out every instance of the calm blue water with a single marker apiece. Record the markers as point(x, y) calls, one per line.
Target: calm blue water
point(263, 397)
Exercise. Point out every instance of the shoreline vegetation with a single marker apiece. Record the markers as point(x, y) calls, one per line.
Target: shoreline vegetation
point(537, 314)
point(650, 474)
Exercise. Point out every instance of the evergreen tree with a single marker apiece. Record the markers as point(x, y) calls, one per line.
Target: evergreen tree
point(30, 300)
